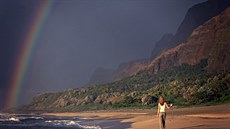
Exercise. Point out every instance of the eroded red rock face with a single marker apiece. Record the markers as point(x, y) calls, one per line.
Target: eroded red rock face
point(209, 41)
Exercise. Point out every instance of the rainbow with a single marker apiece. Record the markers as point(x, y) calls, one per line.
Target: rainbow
point(24, 57)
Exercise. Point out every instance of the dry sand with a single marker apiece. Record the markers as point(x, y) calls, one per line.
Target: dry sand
point(206, 117)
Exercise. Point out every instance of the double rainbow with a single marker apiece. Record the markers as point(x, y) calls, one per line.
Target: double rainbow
point(24, 57)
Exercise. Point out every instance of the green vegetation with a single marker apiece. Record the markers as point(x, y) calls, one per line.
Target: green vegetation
point(183, 85)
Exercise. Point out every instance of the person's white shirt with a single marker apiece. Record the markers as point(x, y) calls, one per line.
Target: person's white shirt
point(162, 107)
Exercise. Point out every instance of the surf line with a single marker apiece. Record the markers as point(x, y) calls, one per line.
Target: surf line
point(31, 36)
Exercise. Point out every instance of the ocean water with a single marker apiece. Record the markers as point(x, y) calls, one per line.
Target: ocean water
point(13, 121)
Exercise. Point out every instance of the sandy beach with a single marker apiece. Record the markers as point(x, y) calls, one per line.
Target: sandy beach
point(204, 117)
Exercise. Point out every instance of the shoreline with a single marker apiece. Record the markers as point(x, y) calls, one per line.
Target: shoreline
point(204, 117)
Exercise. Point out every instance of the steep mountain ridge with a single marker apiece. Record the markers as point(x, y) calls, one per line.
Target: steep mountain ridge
point(196, 16)
point(209, 41)
point(130, 68)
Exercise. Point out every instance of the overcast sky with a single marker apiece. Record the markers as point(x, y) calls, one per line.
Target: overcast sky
point(81, 35)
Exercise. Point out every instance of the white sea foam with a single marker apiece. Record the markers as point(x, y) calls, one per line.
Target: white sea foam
point(32, 117)
point(71, 123)
point(14, 119)
point(9, 120)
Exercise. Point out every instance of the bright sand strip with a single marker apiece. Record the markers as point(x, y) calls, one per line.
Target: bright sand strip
point(181, 122)
point(207, 117)
point(211, 116)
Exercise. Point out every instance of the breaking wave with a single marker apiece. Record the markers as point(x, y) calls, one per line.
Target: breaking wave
point(70, 123)
point(35, 122)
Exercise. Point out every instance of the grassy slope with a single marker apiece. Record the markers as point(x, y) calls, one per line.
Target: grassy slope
point(182, 85)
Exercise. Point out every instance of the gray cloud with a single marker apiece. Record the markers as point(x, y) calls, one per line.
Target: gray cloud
point(81, 35)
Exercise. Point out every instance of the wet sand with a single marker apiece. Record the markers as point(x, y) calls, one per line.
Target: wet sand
point(205, 117)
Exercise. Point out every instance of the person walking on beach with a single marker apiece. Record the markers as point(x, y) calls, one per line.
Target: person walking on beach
point(161, 113)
